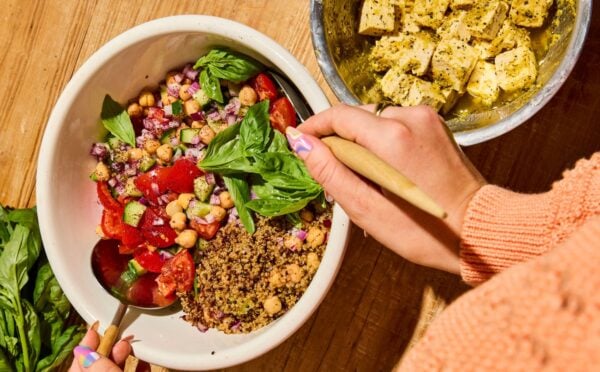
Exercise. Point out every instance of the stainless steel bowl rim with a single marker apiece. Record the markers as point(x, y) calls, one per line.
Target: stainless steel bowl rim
point(475, 136)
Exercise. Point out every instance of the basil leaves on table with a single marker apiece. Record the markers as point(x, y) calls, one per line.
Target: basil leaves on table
point(222, 63)
point(253, 157)
point(33, 308)
point(116, 120)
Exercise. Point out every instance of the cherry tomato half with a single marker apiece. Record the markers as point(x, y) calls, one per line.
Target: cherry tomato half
point(106, 198)
point(112, 223)
point(151, 261)
point(264, 87)
point(206, 231)
point(182, 175)
point(155, 228)
point(177, 274)
point(282, 114)
point(154, 183)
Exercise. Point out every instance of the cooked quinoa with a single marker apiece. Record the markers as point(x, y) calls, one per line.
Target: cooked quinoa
point(245, 281)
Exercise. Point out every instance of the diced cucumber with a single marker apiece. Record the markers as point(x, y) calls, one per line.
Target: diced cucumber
point(198, 209)
point(187, 135)
point(167, 135)
point(146, 163)
point(202, 98)
point(114, 142)
point(128, 277)
point(136, 268)
point(202, 189)
point(131, 189)
point(133, 213)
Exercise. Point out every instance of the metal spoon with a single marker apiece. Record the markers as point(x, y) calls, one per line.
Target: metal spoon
point(107, 266)
point(362, 160)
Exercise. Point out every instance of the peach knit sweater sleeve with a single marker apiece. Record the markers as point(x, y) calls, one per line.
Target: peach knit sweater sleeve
point(542, 309)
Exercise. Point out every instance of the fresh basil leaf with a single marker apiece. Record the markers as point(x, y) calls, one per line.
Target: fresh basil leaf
point(276, 207)
point(284, 171)
point(211, 85)
point(278, 143)
point(229, 65)
point(51, 303)
point(116, 121)
point(222, 149)
point(32, 329)
point(28, 218)
point(255, 131)
point(5, 228)
point(14, 260)
point(61, 349)
point(240, 193)
point(5, 364)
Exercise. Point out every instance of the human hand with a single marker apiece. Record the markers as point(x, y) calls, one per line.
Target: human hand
point(414, 141)
point(86, 359)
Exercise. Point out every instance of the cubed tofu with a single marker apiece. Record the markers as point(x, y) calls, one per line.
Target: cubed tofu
point(452, 63)
point(483, 84)
point(407, 90)
point(430, 13)
point(454, 27)
point(451, 97)
point(410, 52)
point(485, 18)
point(529, 13)
point(509, 37)
point(516, 69)
point(461, 4)
point(376, 18)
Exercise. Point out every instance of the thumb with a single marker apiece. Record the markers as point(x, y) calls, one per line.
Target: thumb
point(340, 182)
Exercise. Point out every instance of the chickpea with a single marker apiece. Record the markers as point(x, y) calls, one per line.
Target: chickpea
point(184, 199)
point(276, 280)
point(293, 243)
point(135, 154)
point(135, 110)
point(167, 100)
point(307, 215)
point(102, 172)
point(151, 146)
point(183, 92)
point(146, 99)
point(177, 221)
point(187, 238)
point(206, 134)
point(315, 237)
point(197, 124)
point(312, 262)
point(218, 212)
point(225, 199)
point(173, 207)
point(100, 232)
point(294, 273)
point(165, 152)
point(248, 96)
point(191, 106)
point(272, 305)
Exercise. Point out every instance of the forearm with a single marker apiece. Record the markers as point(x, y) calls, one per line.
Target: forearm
point(502, 228)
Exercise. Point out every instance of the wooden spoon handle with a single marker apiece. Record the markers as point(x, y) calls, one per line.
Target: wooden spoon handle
point(367, 164)
point(108, 340)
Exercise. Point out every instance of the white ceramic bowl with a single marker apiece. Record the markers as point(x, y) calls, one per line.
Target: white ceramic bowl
point(67, 206)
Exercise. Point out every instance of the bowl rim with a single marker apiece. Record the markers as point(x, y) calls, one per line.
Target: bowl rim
point(283, 327)
point(473, 136)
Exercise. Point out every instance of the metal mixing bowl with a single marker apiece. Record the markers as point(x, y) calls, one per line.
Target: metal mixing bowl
point(342, 55)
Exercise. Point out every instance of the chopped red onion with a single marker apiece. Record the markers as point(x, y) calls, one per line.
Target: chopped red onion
point(189, 72)
point(173, 90)
point(194, 87)
point(198, 116)
point(232, 108)
point(301, 234)
point(174, 141)
point(327, 223)
point(192, 153)
point(214, 199)
point(165, 255)
point(169, 110)
point(112, 182)
point(201, 327)
point(120, 189)
point(201, 220)
point(214, 116)
point(178, 77)
point(195, 140)
point(236, 325)
point(210, 178)
point(143, 201)
point(231, 119)
point(99, 150)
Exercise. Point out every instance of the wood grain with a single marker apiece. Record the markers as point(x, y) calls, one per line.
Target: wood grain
point(380, 304)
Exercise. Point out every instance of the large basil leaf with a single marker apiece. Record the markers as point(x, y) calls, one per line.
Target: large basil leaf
point(211, 85)
point(240, 193)
point(255, 131)
point(229, 65)
point(276, 207)
point(116, 120)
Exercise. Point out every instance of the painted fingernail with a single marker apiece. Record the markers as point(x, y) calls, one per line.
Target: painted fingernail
point(85, 356)
point(127, 338)
point(298, 141)
point(94, 326)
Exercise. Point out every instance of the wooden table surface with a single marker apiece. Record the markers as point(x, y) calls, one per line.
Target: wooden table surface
point(379, 303)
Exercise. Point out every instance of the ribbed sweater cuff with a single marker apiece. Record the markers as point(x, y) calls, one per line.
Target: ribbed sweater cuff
point(502, 228)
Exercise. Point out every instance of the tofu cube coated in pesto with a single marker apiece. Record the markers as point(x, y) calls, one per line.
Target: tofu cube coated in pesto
point(483, 84)
point(410, 52)
point(407, 90)
point(516, 69)
point(485, 18)
point(451, 97)
point(430, 13)
point(529, 13)
point(377, 17)
point(452, 63)
point(509, 37)
point(454, 27)
point(461, 4)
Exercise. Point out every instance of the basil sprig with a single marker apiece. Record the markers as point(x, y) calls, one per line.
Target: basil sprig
point(252, 156)
point(221, 63)
point(116, 120)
